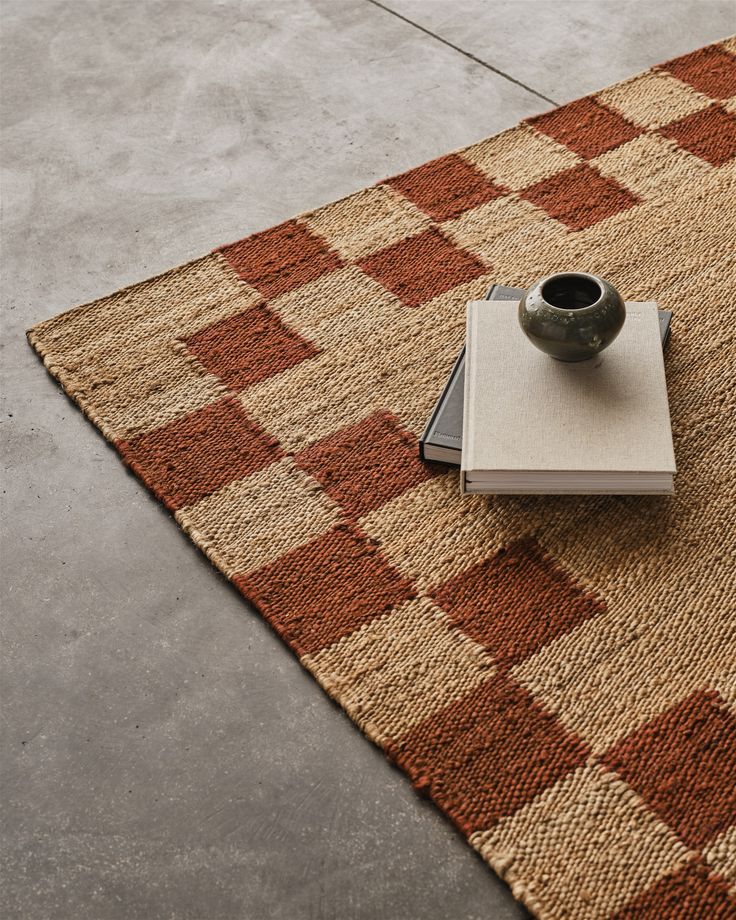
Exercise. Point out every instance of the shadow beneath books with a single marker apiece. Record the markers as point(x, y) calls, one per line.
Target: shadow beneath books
point(605, 530)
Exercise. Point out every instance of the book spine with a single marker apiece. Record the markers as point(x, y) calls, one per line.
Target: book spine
point(468, 429)
point(426, 434)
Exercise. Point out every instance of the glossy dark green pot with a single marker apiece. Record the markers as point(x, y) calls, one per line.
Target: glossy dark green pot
point(572, 316)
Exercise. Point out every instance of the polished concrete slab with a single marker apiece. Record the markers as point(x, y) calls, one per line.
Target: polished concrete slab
point(568, 48)
point(164, 756)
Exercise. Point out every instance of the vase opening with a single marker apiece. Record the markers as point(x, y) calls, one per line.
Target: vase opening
point(571, 292)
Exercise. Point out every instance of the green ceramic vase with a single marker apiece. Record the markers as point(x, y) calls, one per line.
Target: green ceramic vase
point(572, 316)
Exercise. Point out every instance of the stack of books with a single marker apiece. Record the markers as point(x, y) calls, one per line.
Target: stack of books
point(517, 421)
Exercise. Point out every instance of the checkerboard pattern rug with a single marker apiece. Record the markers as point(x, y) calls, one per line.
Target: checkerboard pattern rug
point(557, 674)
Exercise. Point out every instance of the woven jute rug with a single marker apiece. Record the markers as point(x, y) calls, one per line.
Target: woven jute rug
point(557, 674)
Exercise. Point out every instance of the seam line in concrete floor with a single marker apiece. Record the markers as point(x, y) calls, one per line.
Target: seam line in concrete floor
point(462, 51)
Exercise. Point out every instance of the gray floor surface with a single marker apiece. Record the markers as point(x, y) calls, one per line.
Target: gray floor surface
point(164, 756)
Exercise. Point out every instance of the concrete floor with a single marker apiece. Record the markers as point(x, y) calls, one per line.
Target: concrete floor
point(164, 756)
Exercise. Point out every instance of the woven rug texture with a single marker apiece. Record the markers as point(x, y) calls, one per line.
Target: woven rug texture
point(558, 674)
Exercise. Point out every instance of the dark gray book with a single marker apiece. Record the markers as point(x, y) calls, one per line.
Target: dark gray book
point(442, 440)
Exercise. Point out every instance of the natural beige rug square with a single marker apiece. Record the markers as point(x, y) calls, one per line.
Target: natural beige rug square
point(557, 674)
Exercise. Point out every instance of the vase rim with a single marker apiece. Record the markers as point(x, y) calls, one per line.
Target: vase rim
point(580, 311)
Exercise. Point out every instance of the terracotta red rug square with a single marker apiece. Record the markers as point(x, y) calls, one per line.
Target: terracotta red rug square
point(557, 674)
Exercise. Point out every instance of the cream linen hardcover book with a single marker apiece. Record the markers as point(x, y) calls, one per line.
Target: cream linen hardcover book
point(532, 424)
